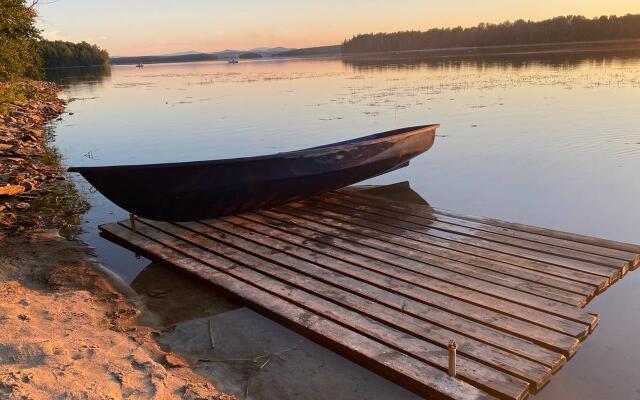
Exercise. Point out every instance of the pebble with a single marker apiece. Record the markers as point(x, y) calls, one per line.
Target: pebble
point(174, 361)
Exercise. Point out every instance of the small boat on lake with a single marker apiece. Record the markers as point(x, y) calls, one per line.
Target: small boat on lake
point(196, 190)
point(233, 61)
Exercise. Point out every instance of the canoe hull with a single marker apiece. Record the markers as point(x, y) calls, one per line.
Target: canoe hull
point(201, 190)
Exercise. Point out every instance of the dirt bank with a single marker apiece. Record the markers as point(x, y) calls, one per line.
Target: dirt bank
point(66, 330)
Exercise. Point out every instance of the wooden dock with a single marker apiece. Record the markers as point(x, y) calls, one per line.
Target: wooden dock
point(388, 284)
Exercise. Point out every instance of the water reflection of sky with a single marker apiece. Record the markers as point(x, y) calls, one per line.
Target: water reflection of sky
point(553, 142)
point(544, 141)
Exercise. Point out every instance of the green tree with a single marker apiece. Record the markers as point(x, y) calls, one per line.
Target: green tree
point(66, 54)
point(19, 56)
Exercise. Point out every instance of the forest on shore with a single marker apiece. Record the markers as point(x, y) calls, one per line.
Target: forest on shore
point(58, 53)
point(24, 53)
point(564, 29)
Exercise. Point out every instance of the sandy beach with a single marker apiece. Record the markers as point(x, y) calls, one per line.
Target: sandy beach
point(68, 328)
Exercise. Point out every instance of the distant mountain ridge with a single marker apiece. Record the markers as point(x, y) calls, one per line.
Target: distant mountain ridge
point(257, 52)
point(264, 51)
point(311, 51)
point(182, 53)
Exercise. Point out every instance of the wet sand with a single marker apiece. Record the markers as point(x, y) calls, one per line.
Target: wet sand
point(69, 332)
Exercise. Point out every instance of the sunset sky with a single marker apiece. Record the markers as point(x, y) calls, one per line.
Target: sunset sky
point(142, 27)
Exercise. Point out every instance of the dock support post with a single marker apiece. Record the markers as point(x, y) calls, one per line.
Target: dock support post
point(452, 358)
point(132, 220)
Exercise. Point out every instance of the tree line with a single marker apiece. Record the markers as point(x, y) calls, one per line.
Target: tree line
point(67, 54)
point(572, 28)
point(23, 51)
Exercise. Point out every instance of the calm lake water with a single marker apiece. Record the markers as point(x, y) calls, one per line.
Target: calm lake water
point(553, 142)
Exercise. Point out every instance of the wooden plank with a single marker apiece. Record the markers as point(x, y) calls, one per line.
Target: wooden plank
point(463, 301)
point(536, 284)
point(611, 244)
point(382, 208)
point(534, 287)
point(422, 378)
point(487, 281)
point(449, 240)
point(533, 372)
point(560, 324)
point(480, 257)
point(388, 284)
point(429, 213)
point(301, 248)
point(500, 273)
point(261, 276)
point(390, 245)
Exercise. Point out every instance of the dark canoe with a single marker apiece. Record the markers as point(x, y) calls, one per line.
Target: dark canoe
point(205, 189)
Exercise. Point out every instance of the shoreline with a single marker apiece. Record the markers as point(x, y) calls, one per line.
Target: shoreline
point(621, 45)
point(513, 49)
point(34, 191)
point(68, 328)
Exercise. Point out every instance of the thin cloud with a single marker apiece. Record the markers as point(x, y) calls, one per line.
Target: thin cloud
point(55, 35)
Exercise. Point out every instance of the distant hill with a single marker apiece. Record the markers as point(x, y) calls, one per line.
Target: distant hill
point(249, 56)
point(163, 59)
point(182, 53)
point(262, 51)
point(255, 53)
point(311, 51)
point(270, 50)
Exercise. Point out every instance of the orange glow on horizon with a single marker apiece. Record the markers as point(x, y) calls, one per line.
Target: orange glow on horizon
point(146, 27)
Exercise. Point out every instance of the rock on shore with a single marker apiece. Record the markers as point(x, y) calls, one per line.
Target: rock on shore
point(29, 170)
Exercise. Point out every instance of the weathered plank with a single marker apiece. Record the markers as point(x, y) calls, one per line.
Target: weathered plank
point(261, 274)
point(440, 313)
point(535, 285)
point(441, 296)
point(400, 367)
point(190, 241)
point(486, 281)
point(427, 250)
point(430, 213)
point(554, 315)
point(381, 208)
point(598, 242)
point(458, 242)
point(388, 284)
